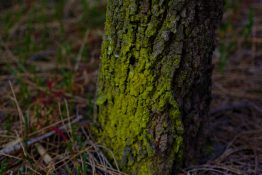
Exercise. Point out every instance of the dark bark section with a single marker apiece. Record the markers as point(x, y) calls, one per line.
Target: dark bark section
point(192, 82)
point(156, 58)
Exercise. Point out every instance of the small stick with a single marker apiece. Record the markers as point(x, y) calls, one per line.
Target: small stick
point(15, 146)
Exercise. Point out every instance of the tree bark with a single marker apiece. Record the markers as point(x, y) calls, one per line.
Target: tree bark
point(154, 84)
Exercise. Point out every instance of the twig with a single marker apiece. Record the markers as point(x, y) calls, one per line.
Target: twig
point(15, 146)
point(44, 154)
point(214, 168)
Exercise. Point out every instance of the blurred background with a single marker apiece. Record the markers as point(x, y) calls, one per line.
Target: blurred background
point(49, 59)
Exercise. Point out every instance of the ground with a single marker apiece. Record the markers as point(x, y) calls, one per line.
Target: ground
point(49, 57)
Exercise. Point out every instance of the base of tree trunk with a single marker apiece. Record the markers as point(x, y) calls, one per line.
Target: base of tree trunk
point(155, 82)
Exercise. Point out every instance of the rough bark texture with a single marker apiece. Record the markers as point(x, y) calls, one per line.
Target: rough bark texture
point(155, 80)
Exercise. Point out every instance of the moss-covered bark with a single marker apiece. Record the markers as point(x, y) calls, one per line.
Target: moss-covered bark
point(154, 81)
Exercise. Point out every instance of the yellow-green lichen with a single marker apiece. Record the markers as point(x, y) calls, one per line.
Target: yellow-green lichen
point(131, 92)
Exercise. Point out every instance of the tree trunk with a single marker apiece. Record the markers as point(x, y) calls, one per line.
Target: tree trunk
point(155, 82)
